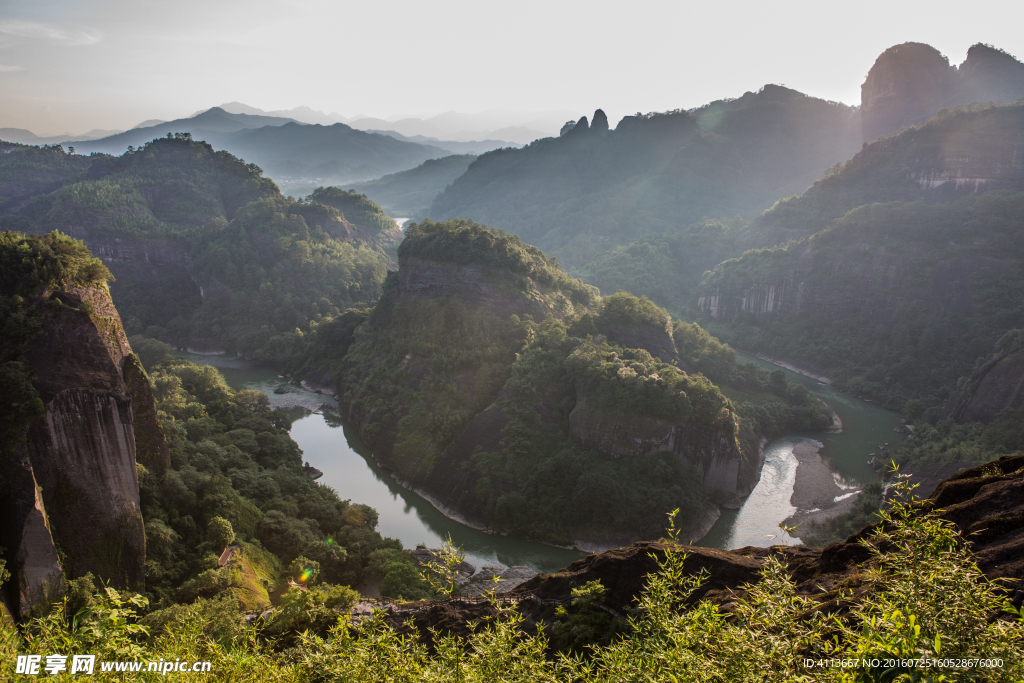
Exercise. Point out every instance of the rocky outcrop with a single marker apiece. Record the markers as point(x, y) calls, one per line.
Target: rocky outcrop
point(26, 535)
point(73, 483)
point(906, 85)
point(996, 385)
point(600, 122)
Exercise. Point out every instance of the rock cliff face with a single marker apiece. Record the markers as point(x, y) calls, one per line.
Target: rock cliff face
point(910, 82)
point(907, 84)
point(73, 484)
point(997, 385)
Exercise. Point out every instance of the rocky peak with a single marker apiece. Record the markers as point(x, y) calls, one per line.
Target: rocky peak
point(581, 126)
point(906, 85)
point(600, 124)
point(989, 74)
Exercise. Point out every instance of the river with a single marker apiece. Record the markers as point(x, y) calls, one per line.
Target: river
point(333, 447)
point(866, 425)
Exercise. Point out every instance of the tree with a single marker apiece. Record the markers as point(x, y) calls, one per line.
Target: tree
point(220, 533)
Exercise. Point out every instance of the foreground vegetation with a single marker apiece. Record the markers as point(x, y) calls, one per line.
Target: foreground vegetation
point(927, 607)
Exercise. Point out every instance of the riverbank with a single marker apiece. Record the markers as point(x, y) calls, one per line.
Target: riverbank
point(817, 496)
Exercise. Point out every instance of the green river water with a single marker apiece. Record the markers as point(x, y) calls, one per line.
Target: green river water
point(333, 447)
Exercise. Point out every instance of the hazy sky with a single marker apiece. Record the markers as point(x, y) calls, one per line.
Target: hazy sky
point(74, 65)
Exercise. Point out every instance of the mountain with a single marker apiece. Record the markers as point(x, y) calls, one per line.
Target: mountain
point(470, 127)
point(956, 154)
point(593, 188)
point(909, 83)
point(915, 274)
point(409, 193)
point(519, 127)
point(283, 147)
point(26, 137)
point(302, 114)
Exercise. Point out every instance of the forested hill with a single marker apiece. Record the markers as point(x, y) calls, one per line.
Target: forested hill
point(513, 396)
point(206, 252)
point(164, 187)
point(594, 187)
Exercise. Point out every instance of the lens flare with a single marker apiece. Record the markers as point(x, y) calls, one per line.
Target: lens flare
point(306, 575)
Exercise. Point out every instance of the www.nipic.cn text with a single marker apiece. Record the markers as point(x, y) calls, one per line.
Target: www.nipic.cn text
point(36, 665)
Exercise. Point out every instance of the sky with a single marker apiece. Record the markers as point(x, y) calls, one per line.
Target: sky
point(69, 66)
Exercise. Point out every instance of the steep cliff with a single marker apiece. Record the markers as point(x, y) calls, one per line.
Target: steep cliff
point(71, 472)
point(485, 380)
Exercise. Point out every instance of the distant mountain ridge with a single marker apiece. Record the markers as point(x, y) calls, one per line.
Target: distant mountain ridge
point(284, 148)
point(27, 137)
point(214, 121)
point(520, 128)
